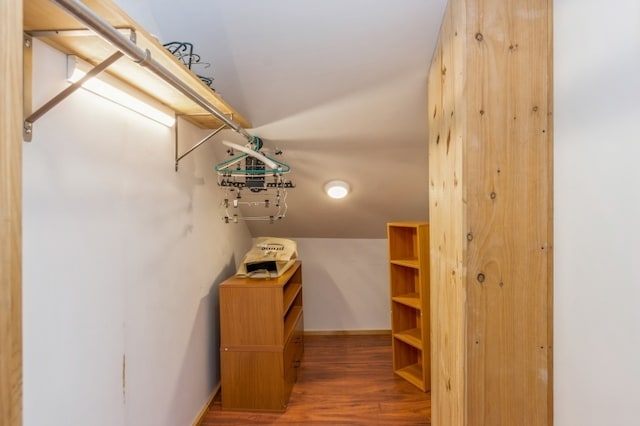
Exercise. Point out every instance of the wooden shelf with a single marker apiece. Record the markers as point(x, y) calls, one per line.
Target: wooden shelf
point(406, 224)
point(413, 374)
point(291, 321)
point(44, 15)
point(411, 337)
point(409, 263)
point(410, 310)
point(290, 293)
point(411, 300)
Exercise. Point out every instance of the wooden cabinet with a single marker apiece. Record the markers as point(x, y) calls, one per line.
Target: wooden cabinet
point(409, 289)
point(261, 340)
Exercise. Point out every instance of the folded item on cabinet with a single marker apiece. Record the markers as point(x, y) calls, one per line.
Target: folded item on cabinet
point(269, 257)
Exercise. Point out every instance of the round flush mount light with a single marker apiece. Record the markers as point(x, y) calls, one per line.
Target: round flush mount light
point(337, 189)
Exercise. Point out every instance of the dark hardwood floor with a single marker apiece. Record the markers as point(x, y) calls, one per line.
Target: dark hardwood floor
point(343, 380)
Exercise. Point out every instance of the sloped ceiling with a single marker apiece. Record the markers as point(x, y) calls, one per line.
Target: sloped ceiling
point(338, 85)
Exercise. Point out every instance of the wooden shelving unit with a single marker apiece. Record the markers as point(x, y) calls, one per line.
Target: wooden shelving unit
point(53, 25)
point(409, 289)
point(261, 340)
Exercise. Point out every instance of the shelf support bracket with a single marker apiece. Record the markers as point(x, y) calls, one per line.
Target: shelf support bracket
point(190, 150)
point(34, 116)
point(27, 85)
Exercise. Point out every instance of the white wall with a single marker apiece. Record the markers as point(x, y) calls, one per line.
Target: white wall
point(122, 257)
point(597, 206)
point(346, 281)
point(345, 284)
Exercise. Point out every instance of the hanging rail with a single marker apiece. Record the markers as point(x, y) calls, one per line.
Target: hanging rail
point(143, 57)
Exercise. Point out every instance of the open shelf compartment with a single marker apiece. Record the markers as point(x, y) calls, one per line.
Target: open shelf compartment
point(408, 363)
point(404, 317)
point(403, 243)
point(404, 281)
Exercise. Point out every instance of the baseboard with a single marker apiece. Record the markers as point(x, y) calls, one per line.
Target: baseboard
point(205, 408)
point(347, 332)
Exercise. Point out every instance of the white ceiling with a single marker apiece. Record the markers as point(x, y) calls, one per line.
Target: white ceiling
point(338, 85)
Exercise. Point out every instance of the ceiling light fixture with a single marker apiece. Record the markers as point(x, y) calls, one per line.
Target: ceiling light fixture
point(337, 189)
point(106, 87)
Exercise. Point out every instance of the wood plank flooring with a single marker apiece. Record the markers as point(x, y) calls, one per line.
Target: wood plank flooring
point(343, 380)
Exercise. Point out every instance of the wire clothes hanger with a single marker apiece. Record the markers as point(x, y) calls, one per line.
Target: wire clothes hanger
point(249, 169)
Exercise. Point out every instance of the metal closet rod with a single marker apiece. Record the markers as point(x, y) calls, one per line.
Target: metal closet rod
point(143, 57)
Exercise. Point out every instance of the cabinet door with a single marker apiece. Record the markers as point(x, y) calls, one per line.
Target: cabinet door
point(253, 380)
